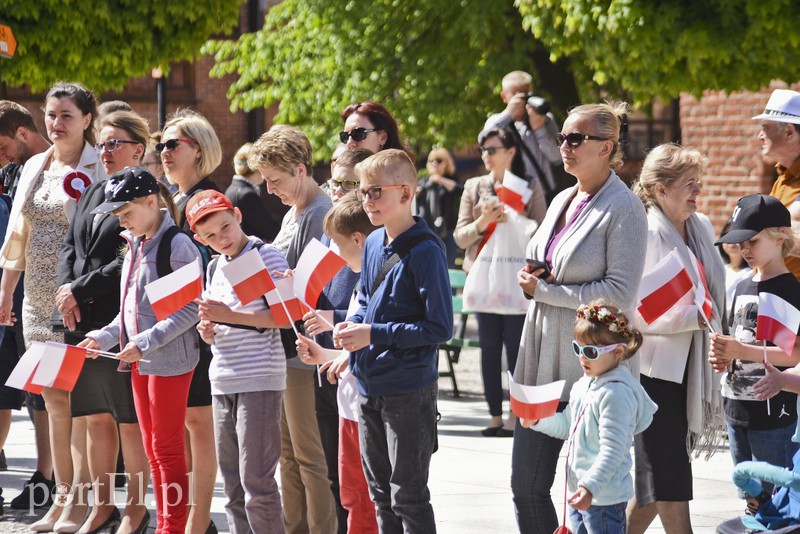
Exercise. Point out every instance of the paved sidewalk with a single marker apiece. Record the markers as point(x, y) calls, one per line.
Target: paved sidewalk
point(469, 474)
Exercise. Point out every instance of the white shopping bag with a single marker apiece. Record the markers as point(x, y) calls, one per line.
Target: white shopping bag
point(491, 285)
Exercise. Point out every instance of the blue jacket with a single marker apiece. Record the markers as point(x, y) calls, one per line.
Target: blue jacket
point(411, 313)
point(617, 407)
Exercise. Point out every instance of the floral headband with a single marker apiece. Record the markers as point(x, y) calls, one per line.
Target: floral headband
point(601, 314)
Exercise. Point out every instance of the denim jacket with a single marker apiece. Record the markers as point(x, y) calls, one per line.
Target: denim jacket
point(172, 345)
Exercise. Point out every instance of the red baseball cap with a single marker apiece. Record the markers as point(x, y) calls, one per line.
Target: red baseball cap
point(204, 204)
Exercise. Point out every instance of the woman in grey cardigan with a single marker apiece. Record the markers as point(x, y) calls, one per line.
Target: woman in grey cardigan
point(593, 240)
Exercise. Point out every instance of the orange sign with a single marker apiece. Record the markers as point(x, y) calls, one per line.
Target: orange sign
point(8, 44)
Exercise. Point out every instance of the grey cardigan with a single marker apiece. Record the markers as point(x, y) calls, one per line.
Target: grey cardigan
point(171, 345)
point(601, 256)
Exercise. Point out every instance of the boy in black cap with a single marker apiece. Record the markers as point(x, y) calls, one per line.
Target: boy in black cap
point(757, 430)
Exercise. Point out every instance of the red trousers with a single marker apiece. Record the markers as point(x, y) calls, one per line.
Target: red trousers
point(353, 488)
point(161, 408)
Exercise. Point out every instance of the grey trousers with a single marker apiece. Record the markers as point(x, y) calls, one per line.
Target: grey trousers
point(248, 439)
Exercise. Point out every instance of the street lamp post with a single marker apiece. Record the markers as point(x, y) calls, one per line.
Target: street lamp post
point(161, 89)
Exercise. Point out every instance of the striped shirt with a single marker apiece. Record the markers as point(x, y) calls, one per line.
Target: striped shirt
point(245, 360)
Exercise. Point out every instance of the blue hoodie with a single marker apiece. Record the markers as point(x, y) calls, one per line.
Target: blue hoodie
point(411, 313)
point(617, 407)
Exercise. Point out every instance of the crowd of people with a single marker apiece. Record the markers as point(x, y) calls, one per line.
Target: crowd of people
point(344, 403)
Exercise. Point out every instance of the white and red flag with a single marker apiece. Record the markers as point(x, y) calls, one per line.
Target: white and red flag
point(702, 296)
point(20, 377)
point(174, 291)
point(248, 276)
point(534, 402)
point(778, 321)
point(662, 287)
point(282, 300)
point(60, 366)
point(316, 267)
point(514, 192)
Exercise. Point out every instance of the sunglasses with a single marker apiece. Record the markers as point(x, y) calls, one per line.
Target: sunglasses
point(434, 161)
point(171, 144)
point(112, 144)
point(346, 185)
point(356, 134)
point(491, 150)
point(576, 139)
point(592, 352)
point(375, 192)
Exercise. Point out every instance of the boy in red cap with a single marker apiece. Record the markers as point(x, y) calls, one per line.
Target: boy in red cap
point(248, 372)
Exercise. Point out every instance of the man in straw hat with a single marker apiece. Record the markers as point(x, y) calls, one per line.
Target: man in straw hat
point(780, 142)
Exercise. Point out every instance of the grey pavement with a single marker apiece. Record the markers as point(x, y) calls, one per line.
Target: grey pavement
point(469, 477)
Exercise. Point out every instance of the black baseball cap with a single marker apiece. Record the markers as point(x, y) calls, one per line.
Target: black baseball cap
point(753, 214)
point(128, 184)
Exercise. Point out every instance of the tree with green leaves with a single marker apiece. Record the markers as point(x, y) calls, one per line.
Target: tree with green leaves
point(104, 44)
point(666, 47)
point(436, 65)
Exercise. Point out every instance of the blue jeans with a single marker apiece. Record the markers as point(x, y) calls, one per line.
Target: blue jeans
point(494, 331)
point(397, 435)
point(772, 446)
point(533, 469)
point(598, 519)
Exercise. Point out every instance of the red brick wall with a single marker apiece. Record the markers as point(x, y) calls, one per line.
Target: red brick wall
point(719, 124)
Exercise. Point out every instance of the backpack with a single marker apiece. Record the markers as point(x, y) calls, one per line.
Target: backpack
point(163, 266)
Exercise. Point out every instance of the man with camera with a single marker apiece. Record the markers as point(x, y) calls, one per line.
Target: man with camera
point(536, 131)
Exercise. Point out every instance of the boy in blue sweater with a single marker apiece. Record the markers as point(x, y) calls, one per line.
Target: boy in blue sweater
point(405, 313)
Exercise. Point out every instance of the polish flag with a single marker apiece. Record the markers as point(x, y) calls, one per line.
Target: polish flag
point(20, 377)
point(316, 267)
point(663, 287)
point(248, 276)
point(60, 366)
point(778, 321)
point(534, 402)
point(702, 297)
point(174, 291)
point(514, 192)
point(284, 292)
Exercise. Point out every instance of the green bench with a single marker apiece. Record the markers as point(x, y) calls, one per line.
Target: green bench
point(452, 348)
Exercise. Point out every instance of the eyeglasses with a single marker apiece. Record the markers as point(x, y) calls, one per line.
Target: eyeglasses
point(171, 144)
point(112, 144)
point(592, 352)
point(375, 192)
point(434, 161)
point(491, 150)
point(356, 134)
point(346, 185)
point(576, 139)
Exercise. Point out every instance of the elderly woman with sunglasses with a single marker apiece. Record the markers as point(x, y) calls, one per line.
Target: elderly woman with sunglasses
point(479, 212)
point(592, 240)
point(190, 152)
point(44, 205)
point(673, 361)
point(438, 196)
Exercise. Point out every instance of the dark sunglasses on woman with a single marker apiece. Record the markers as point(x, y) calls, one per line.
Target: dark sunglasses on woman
point(576, 139)
point(356, 134)
point(171, 144)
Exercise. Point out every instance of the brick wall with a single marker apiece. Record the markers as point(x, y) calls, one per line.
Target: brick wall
point(719, 124)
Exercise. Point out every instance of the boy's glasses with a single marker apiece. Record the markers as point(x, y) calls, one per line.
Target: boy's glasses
point(356, 134)
point(576, 139)
point(346, 185)
point(435, 161)
point(592, 352)
point(171, 144)
point(375, 192)
point(491, 150)
point(112, 144)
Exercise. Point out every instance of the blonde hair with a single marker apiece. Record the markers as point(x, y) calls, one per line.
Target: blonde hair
point(609, 120)
point(519, 80)
point(282, 147)
point(664, 165)
point(444, 155)
point(596, 332)
point(785, 233)
point(240, 164)
point(391, 164)
point(196, 127)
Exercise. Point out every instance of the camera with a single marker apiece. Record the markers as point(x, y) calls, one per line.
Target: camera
point(539, 104)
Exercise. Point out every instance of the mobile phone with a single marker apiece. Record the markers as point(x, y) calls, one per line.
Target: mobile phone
point(536, 265)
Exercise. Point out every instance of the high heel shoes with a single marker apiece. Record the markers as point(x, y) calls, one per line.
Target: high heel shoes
point(111, 524)
point(144, 524)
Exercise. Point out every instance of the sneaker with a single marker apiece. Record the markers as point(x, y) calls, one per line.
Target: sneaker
point(36, 493)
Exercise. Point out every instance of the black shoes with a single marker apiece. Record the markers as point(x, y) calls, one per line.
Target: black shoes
point(36, 493)
point(497, 432)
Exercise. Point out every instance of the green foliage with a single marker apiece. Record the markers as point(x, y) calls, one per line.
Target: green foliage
point(104, 44)
point(436, 65)
point(665, 47)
